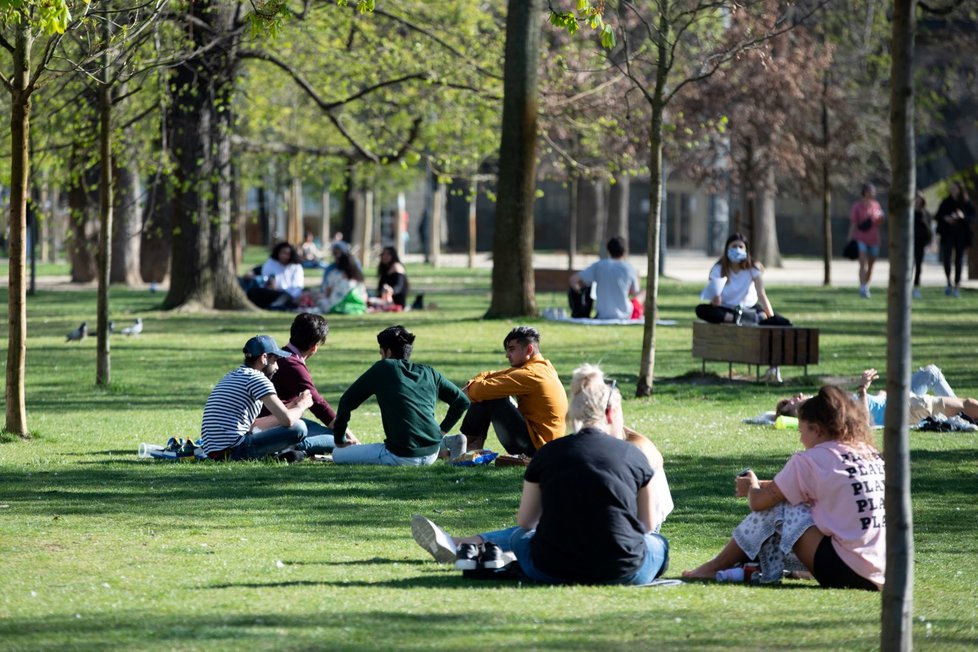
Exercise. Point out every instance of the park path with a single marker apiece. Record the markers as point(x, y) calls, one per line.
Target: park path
point(683, 265)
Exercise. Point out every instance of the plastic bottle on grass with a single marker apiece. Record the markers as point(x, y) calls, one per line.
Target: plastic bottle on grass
point(786, 423)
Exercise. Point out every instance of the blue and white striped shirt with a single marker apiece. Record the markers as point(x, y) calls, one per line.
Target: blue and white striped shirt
point(232, 407)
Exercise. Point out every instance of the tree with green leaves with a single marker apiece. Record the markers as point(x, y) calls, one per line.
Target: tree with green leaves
point(30, 33)
point(663, 47)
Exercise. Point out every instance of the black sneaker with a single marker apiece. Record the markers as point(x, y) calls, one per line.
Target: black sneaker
point(492, 557)
point(467, 556)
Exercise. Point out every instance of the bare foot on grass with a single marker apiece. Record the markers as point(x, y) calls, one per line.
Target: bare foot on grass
point(707, 571)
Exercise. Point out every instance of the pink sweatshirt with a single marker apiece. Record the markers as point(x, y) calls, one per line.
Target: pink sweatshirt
point(844, 487)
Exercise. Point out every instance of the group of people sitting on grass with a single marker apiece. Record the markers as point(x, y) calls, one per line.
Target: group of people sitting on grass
point(592, 501)
point(279, 282)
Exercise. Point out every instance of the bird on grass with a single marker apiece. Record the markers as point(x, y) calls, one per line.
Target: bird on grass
point(135, 329)
point(111, 330)
point(78, 334)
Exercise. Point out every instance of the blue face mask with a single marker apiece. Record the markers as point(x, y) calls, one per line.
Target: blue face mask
point(735, 255)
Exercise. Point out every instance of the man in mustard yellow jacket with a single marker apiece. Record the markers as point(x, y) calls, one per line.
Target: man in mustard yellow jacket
point(541, 403)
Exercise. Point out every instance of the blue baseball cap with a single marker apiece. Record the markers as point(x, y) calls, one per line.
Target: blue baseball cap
point(263, 344)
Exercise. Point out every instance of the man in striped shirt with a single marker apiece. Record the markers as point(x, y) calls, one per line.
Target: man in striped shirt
point(231, 428)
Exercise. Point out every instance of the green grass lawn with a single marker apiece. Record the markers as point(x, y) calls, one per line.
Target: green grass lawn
point(99, 550)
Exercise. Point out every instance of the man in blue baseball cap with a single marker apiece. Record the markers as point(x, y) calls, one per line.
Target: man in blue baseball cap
point(231, 428)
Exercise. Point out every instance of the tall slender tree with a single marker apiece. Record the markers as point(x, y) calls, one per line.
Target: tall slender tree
point(25, 25)
point(897, 609)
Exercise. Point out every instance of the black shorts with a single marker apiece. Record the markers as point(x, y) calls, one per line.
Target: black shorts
point(833, 573)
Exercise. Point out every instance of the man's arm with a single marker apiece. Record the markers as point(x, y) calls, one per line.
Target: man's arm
point(457, 401)
point(514, 381)
point(353, 397)
point(282, 414)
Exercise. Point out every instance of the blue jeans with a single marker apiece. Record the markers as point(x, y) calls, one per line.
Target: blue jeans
point(268, 442)
point(930, 380)
point(318, 440)
point(378, 454)
point(517, 540)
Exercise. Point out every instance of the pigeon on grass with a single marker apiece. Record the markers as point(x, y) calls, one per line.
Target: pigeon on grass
point(135, 329)
point(78, 334)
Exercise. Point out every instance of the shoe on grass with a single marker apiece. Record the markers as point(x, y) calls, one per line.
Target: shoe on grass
point(467, 557)
point(493, 557)
point(433, 539)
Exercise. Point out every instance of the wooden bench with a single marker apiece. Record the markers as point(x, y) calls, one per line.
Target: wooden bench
point(551, 280)
point(770, 346)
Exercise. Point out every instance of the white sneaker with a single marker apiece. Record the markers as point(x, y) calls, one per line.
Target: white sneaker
point(864, 291)
point(433, 539)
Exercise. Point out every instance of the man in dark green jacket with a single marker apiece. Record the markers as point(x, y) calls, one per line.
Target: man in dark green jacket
point(406, 393)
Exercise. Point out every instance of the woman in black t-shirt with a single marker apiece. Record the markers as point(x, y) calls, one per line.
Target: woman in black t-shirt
point(392, 281)
point(587, 510)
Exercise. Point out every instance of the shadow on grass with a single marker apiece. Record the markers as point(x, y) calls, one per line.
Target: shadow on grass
point(664, 627)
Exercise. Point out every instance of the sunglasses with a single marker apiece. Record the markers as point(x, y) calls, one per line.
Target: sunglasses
point(612, 386)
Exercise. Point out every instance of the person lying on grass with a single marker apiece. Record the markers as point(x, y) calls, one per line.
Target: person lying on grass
point(930, 395)
point(406, 393)
point(588, 508)
point(825, 505)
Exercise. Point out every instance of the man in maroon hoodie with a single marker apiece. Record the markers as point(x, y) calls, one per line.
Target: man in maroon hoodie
point(308, 333)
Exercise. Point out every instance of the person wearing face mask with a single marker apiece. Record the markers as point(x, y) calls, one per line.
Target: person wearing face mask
point(736, 290)
point(736, 293)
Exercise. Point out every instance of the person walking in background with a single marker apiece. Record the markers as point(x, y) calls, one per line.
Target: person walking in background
point(864, 228)
point(954, 218)
point(922, 237)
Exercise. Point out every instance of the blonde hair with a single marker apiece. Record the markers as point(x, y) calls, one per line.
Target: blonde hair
point(590, 397)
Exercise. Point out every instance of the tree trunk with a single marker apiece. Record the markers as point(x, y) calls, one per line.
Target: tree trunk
point(513, 293)
point(103, 368)
point(646, 371)
point(618, 200)
point(202, 269)
point(826, 189)
point(20, 129)
point(765, 244)
point(473, 201)
point(126, 219)
point(573, 219)
point(82, 245)
point(295, 232)
point(897, 606)
point(155, 244)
